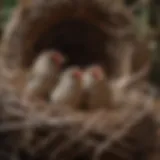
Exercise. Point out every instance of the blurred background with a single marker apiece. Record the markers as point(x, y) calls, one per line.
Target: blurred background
point(147, 22)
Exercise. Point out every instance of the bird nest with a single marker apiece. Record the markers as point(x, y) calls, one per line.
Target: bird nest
point(54, 133)
point(86, 32)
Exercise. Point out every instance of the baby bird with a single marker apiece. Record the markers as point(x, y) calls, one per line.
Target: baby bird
point(96, 91)
point(44, 73)
point(69, 89)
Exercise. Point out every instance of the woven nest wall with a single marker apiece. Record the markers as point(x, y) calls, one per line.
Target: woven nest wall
point(85, 32)
point(125, 133)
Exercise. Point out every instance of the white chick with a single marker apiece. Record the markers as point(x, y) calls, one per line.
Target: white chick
point(69, 89)
point(96, 91)
point(44, 73)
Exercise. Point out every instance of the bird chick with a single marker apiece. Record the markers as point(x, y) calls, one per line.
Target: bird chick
point(44, 73)
point(69, 89)
point(95, 88)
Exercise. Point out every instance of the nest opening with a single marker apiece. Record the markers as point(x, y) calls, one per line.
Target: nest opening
point(80, 42)
point(85, 33)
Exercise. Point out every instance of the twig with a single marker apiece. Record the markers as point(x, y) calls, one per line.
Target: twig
point(126, 81)
point(37, 122)
point(81, 134)
point(119, 134)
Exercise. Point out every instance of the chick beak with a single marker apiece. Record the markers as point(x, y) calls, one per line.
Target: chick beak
point(77, 74)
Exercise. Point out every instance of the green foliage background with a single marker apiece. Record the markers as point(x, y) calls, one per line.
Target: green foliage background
point(147, 17)
point(5, 10)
